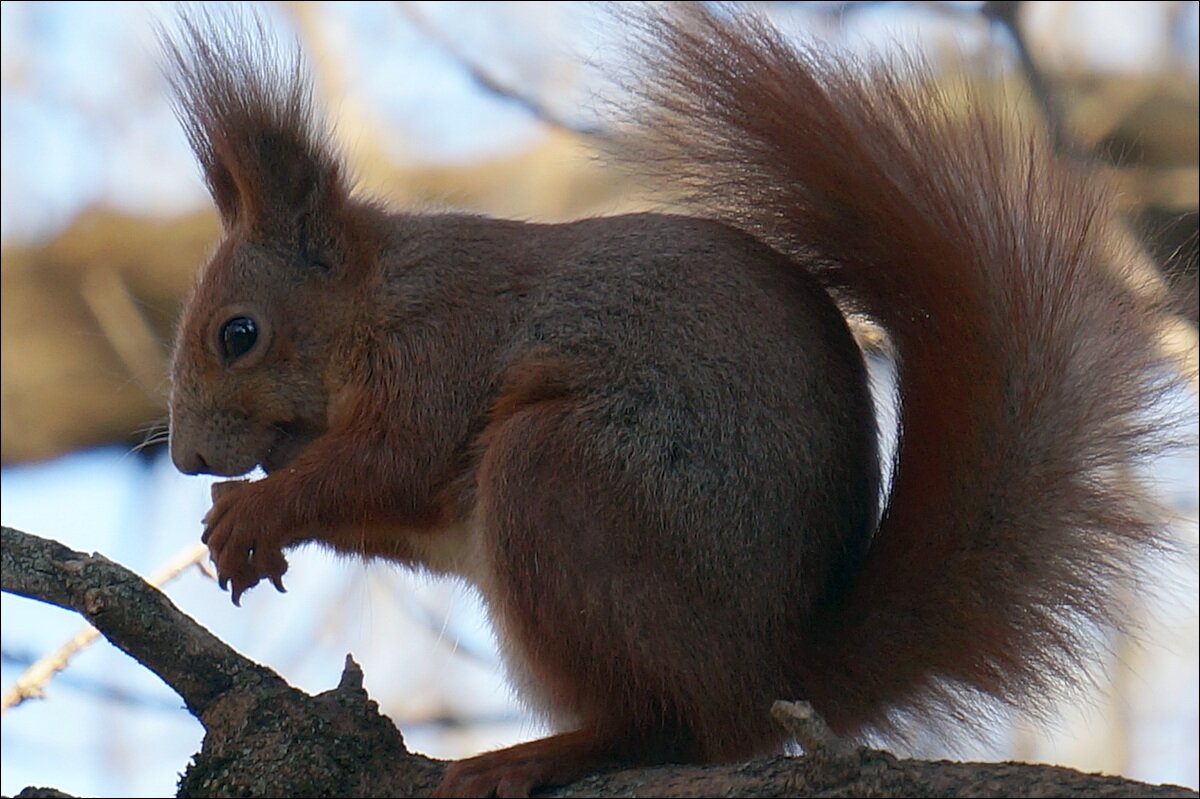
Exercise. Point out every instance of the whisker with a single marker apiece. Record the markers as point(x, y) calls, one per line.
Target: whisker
point(153, 434)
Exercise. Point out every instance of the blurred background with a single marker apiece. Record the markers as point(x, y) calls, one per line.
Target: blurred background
point(491, 107)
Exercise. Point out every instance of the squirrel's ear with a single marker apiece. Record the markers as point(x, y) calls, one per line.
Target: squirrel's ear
point(248, 113)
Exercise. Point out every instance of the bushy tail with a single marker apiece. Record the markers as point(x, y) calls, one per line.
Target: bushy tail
point(1028, 372)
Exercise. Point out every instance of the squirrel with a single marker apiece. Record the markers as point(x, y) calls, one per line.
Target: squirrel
point(649, 440)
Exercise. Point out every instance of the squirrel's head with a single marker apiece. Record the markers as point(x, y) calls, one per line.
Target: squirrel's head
point(250, 360)
point(256, 342)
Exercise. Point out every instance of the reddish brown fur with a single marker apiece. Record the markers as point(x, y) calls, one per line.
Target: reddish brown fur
point(530, 382)
point(648, 440)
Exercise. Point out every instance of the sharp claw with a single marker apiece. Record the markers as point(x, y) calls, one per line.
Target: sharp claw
point(237, 596)
point(224, 583)
point(277, 581)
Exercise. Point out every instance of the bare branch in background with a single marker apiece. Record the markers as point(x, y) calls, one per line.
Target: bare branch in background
point(1006, 13)
point(490, 83)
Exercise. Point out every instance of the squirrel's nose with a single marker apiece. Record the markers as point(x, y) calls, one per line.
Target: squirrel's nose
point(190, 463)
point(188, 460)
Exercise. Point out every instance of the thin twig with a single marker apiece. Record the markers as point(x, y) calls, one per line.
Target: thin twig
point(490, 83)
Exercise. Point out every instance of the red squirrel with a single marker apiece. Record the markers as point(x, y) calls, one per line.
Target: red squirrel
point(648, 440)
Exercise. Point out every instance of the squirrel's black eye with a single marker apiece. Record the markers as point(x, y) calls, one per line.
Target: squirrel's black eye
point(238, 337)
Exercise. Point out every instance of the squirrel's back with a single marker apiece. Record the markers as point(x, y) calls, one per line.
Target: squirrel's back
point(680, 464)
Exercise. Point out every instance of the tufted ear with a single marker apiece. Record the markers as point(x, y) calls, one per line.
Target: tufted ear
point(248, 112)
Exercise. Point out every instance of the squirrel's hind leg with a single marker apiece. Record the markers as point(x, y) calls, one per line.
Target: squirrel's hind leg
point(519, 769)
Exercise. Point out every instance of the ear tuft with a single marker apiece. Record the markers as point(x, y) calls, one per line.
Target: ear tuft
point(248, 112)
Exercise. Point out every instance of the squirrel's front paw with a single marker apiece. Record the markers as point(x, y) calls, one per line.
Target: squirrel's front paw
point(245, 535)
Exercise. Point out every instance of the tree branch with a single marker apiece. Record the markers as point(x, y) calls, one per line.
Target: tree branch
point(136, 617)
point(32, 681)
point(264, 738)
